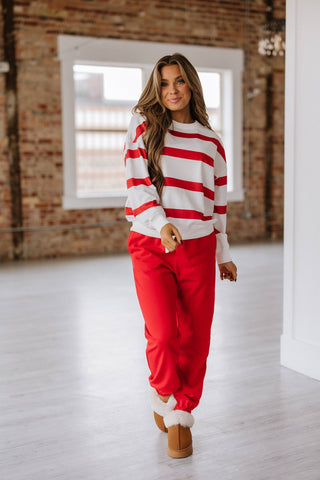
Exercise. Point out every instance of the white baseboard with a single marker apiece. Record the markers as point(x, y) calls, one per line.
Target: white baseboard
point(300, 356)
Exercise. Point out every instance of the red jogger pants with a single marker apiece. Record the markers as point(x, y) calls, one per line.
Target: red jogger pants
point(176, 295)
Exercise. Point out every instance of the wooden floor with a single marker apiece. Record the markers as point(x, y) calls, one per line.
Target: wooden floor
point(73, 379)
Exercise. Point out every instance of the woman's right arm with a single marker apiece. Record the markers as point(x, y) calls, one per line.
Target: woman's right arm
point(143, 199)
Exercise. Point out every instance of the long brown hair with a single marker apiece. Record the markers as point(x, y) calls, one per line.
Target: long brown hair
point(159, 117)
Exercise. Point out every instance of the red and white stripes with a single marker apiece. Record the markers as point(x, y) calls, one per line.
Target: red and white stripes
point(195, 191)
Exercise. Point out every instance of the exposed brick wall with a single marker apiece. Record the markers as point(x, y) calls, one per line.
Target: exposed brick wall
point(54, 231)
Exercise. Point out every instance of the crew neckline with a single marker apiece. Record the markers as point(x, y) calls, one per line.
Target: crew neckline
point(186, 126)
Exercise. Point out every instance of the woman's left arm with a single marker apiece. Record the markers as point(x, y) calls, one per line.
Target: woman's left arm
point(227, 268)
point(220, 206)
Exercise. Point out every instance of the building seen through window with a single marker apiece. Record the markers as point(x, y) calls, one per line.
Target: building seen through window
point(104, 97)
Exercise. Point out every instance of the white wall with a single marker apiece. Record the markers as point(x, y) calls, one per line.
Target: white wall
point(300, 342)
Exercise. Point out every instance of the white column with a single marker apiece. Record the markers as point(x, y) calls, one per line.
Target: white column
point(300, 342)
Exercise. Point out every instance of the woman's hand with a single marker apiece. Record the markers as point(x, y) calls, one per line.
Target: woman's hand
point(170, 237)
point(228, 270)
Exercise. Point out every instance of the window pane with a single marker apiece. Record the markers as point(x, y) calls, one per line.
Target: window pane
point(211, 82)
point(99, 155)
point(104, 97)
point(122, 83)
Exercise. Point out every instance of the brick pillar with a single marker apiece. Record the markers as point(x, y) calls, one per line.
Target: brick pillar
point(13, 128)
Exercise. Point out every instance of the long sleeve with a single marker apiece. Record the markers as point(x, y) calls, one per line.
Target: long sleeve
point(143, 202)
point(220, 206)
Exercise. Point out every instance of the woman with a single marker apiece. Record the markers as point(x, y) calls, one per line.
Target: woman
point(176, 181)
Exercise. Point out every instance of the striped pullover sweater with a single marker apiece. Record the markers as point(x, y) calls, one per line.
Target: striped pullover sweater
point(195, 190)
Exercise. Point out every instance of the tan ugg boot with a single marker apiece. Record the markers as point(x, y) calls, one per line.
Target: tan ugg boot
point(178, 423)
point(159, 418)
point(179, 441)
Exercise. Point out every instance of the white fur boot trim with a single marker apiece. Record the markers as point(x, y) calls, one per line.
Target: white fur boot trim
point(178, 417)
point(160, 407)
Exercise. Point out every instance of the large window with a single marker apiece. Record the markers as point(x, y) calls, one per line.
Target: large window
point(104, 97)
point(100, 87)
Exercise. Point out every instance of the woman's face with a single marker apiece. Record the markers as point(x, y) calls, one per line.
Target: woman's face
point(175, 93)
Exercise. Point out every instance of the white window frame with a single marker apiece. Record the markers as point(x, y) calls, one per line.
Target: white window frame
point(88, 50)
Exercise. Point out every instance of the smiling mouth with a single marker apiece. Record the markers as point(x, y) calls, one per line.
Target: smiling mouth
point(174, 100)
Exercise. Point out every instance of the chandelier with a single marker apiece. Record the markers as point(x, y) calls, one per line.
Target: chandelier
point(272, 32)
point(273, 43)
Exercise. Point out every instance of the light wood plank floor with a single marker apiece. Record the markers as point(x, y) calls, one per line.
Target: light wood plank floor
point(74, 393)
